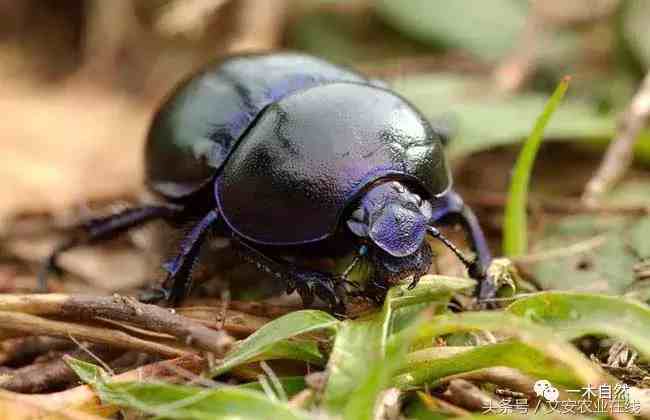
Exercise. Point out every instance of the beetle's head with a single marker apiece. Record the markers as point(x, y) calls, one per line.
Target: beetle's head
point(392, 217)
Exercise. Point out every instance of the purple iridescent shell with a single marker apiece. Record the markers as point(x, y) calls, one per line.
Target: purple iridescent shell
point(202, 120)
point(311, 154)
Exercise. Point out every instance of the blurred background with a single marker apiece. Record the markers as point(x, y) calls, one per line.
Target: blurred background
point(81, 79)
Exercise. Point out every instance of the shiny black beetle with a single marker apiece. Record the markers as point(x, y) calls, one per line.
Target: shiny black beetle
point(284, 149)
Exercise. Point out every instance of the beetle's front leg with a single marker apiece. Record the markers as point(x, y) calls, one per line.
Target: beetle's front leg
point(104, 228)
point(451, 209)
point(308, 283)
point(324, 285)
point(178, 283)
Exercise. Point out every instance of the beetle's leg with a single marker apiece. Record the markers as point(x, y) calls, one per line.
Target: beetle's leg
point(307, 282)
point(376, 289)
point(104, 228)
point(179, 278)
point(453, 210)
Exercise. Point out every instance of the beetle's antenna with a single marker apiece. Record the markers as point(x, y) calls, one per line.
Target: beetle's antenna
point(442, 238)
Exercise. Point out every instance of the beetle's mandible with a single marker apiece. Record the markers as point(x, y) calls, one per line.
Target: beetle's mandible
point(286, 150)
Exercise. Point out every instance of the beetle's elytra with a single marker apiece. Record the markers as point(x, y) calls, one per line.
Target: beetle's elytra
point(285, 149)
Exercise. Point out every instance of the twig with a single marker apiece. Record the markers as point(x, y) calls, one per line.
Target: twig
point(109, 31)
point(517, 68)
point(118, 308)
point(237, 323)
point(93, 356)
point(302, 399)
point(505, 377)
point(260, 25)
point(15, 322)
point(17, 351)
point(51, 375)
point(85, 399)
point(434, 404)
point(131, 360)
point(543, 17)
point(469, 396)
point(188, 18)
point(619, 154)
point(261, 309)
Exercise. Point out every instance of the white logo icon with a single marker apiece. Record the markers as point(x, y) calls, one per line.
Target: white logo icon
point(543, 388)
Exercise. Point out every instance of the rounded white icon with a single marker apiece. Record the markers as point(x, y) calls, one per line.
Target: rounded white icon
point(540, 386)
point(551, 394)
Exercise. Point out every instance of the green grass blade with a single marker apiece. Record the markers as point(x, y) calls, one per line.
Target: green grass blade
point(368, 351)
point(542, 338)
point(355, 358)
point(573, 315)
point(426, 366)
point(268, 339)
point(515, 241)
point(172, 401)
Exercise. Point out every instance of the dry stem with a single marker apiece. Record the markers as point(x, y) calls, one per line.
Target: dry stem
point(51, 375)
point(260, 24)
point(619, 154)
point(15, 322)
point(83, 397)
point(517, 68)
point(116, 308)
point(469, 396)
point(17, 351)
point(505, 377)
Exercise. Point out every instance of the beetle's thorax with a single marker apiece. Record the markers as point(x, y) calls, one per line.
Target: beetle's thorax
point(392, 217)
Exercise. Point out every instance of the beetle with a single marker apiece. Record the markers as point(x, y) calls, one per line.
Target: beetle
point(281, 151)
